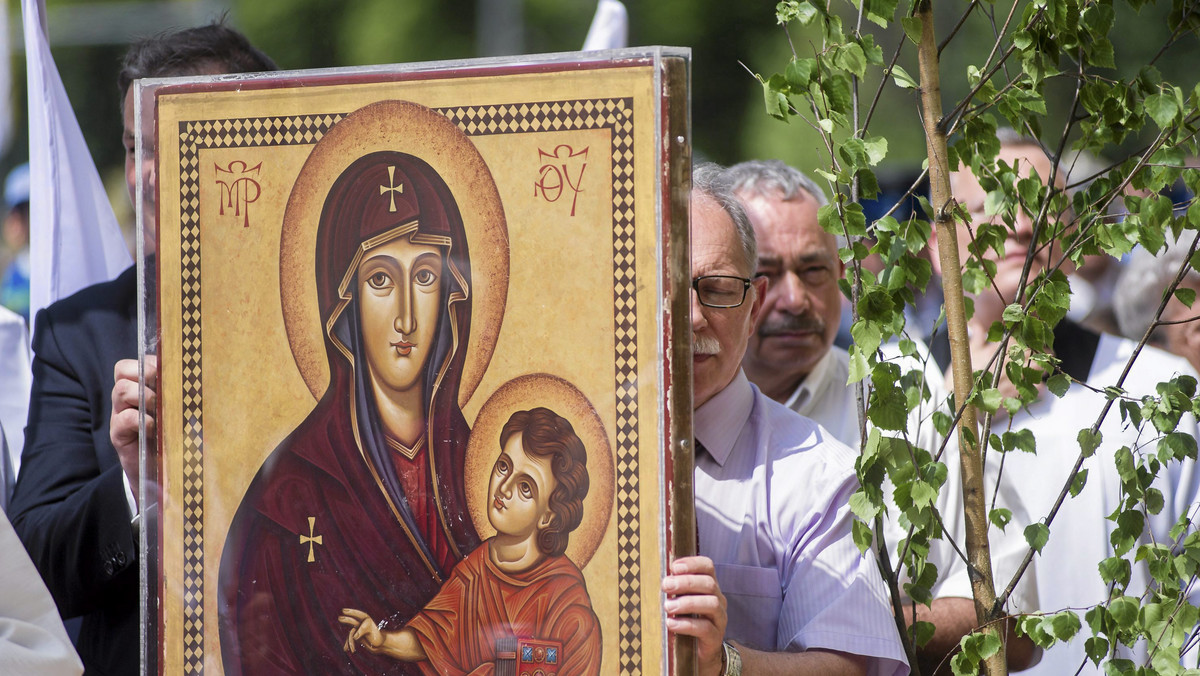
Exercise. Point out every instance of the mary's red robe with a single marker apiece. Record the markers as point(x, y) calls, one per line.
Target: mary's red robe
point(336, 518)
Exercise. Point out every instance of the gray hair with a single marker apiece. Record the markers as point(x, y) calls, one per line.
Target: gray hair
point(773, 177)
point(710, 179)
point(1145, 276)
point(777, 180)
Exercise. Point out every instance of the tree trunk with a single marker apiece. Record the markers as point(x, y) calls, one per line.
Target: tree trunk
point(978, 553)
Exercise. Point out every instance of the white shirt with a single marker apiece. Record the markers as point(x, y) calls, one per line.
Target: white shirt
point(825, 396)
point(1079, 534)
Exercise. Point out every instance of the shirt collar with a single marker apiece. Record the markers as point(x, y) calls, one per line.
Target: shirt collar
point(804, 391)
point(719, 422)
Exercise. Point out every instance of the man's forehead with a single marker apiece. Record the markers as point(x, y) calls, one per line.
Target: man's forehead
point(788, 228)
point(714, 237)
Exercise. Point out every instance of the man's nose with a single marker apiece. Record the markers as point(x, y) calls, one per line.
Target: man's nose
point(791, 295)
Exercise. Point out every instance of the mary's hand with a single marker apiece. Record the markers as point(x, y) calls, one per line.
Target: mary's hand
point(363, 630)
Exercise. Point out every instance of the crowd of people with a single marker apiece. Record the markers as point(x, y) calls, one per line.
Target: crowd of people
point(778, 584)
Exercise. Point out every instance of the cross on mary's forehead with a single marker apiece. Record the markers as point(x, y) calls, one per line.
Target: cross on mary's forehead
point(391, 189)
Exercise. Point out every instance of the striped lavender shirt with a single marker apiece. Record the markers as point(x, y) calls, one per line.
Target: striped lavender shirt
point(772, 491)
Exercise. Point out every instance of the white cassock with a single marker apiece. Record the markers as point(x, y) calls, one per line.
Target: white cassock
point(32, 637)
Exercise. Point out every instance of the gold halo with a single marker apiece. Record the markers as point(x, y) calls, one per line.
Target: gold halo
point(408, 128)
point(560, 396)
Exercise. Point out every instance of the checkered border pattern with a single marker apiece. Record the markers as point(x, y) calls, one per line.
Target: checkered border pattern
point(615, 115)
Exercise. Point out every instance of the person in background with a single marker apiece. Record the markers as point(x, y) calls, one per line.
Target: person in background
point(1139, 293)
point(32, 637)
point(779, 585)
point(1080, 532)
point(74, 506)
point(793, 360)
point(14, 283)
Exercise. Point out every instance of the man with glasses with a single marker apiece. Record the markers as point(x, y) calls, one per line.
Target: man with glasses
point(779, 585)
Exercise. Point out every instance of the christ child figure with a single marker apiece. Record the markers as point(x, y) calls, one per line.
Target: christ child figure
point(517, 588)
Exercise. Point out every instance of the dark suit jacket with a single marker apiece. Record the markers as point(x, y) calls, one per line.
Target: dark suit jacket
point(69, 504)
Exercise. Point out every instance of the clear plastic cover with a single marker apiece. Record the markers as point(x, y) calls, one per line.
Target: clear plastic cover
point(379, 300)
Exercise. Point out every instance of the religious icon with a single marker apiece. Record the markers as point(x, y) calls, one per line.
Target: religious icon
point(417, 408)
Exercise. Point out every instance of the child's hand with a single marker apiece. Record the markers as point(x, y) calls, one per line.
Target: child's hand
point(364, 630)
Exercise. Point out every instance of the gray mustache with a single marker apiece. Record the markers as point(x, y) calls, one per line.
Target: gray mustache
point(705, 344)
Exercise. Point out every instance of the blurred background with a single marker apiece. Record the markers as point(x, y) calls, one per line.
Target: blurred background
point(730, 40)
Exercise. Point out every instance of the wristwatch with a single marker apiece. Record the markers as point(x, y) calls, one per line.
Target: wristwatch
point(731, 660)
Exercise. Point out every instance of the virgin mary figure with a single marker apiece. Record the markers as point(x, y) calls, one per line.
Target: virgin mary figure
point(365, 499)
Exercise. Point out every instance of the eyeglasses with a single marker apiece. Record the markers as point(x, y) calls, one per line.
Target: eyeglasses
point(721, 291)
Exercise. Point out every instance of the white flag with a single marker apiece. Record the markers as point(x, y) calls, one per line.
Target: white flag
point(610, 27)
point(74, 239)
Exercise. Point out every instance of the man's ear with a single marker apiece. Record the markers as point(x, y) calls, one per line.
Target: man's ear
point(546, 521)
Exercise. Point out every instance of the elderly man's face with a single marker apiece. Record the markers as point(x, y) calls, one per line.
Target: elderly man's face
point(802, 304)
point(719, 334)
point(970, 194)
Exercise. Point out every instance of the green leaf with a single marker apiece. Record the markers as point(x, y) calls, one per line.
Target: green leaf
point(866, 335)
point(989, 645)
point(880, 12)
point(776, 101)
point(1185, 295)
point(799, 73)
point(1154, 500)
point(1000, 517)
point(792, 10)
point(1078, 482)
point(1115, 569)
point(1089, 441)
point(912, 28)
point(1096, 649)
point(863, 536)
point(1013, 313)
point(854, 153)
point(1020, 439)
point(902, 78)
point(1058, 384)
point(1037, 534)
point(1064, 625)
point(863, 507)
point(859, 368)
point(1124, 610)
point(1162, 108)
point(989, 399)
point(942, 422)
point(1177, 445)
point(921, 632)
point(876, 147)
point(923, 494)
point(851, 58)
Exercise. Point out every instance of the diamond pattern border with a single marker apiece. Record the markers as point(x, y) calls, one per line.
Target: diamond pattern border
point(615, 115)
